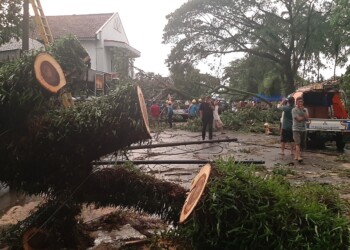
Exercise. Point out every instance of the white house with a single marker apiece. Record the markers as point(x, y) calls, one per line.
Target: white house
point(98, 33)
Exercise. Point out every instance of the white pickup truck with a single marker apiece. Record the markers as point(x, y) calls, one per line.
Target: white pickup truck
point(328, 118)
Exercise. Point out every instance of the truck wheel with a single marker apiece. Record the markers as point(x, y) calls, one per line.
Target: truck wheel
point(340, 144)
point(315, 141)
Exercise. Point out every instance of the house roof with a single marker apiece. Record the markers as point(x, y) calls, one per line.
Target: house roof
point(13, 44)
point(83, 26)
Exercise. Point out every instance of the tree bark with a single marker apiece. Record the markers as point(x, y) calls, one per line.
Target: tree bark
point(122, 186)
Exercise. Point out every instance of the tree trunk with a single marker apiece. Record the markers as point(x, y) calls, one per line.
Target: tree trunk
point(289, 84)
point(42, 151)
point(122, 186)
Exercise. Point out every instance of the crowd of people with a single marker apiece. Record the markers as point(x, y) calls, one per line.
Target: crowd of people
point(293, 120)
point(207, 110)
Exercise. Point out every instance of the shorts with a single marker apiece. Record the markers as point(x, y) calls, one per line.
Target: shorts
point(299, 137)
point(287, 135)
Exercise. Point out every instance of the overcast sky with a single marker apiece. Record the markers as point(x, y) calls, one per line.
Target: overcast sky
point(143, 21)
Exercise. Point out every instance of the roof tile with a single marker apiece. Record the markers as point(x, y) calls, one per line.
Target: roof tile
point(83, 26)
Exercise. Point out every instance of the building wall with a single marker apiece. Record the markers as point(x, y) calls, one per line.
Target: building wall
point(90, 46)
point(10, 55)
point(100, 56)
point(114, 30)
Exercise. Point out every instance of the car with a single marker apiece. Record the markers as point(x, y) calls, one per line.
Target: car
point(180, 114)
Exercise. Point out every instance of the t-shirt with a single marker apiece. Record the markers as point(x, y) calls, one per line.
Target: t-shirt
point(299, 126)
point(155, 110)
point(206, 111)
point(170, 110)
point(192, 111)
point(287, 118)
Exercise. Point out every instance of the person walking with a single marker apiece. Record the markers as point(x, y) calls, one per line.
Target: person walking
point(206, 114)
point(286, 124)
point(170, 113)
point(218, 124)
point(300, 116)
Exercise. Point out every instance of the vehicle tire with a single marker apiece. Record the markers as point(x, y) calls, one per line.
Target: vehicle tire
point(340, 143)
point(315, 141)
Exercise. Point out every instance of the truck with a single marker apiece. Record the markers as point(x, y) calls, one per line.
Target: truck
point(328, 117)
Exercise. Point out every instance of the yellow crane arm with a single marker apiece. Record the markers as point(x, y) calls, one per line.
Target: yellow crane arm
point(41, 22)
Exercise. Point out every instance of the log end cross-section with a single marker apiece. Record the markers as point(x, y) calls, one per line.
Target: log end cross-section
point(143, 108)
point(197, 188)
point(49, 73)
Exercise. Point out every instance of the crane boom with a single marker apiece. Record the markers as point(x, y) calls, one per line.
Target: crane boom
point(41, 22)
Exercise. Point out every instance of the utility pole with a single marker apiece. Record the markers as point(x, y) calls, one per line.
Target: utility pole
point(25, 34)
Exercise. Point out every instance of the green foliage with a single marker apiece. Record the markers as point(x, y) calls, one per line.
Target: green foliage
point(194, 125)
point(10, 20)
point(120, 60)
point(250, 118)
point(21, 95)
point(243, 211)
point(283, 171)
point(255, 74)
point(70, 54)
point(278, 31)
point(190, 81)
point(345, 85)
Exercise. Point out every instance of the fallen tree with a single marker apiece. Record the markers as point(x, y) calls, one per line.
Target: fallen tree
point(49, 149)
point(237, 209)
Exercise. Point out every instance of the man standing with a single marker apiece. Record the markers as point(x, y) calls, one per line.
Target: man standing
point(193, 110)
point(300, 116)
point(155, 113)
point(287, 122)
point(170, 113)
point(206, 114)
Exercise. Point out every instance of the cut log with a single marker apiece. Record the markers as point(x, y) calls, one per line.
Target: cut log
point(143, 108)
point(197, 187)
point(126, 187)
point(34, 239)
point(49, 73)
point(64, 142)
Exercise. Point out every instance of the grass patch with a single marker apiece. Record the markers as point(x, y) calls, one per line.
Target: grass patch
point(283, 171)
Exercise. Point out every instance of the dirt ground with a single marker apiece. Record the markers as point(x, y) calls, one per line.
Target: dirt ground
point(324, 166)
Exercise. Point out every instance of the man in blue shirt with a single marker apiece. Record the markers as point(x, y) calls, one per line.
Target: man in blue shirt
point(193, 110)
point(287, 122)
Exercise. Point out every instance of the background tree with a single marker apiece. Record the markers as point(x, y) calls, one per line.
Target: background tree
point(279, 30)
point(254, 74)
point(339, 38)
point(10, 20)
point(189, 80)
